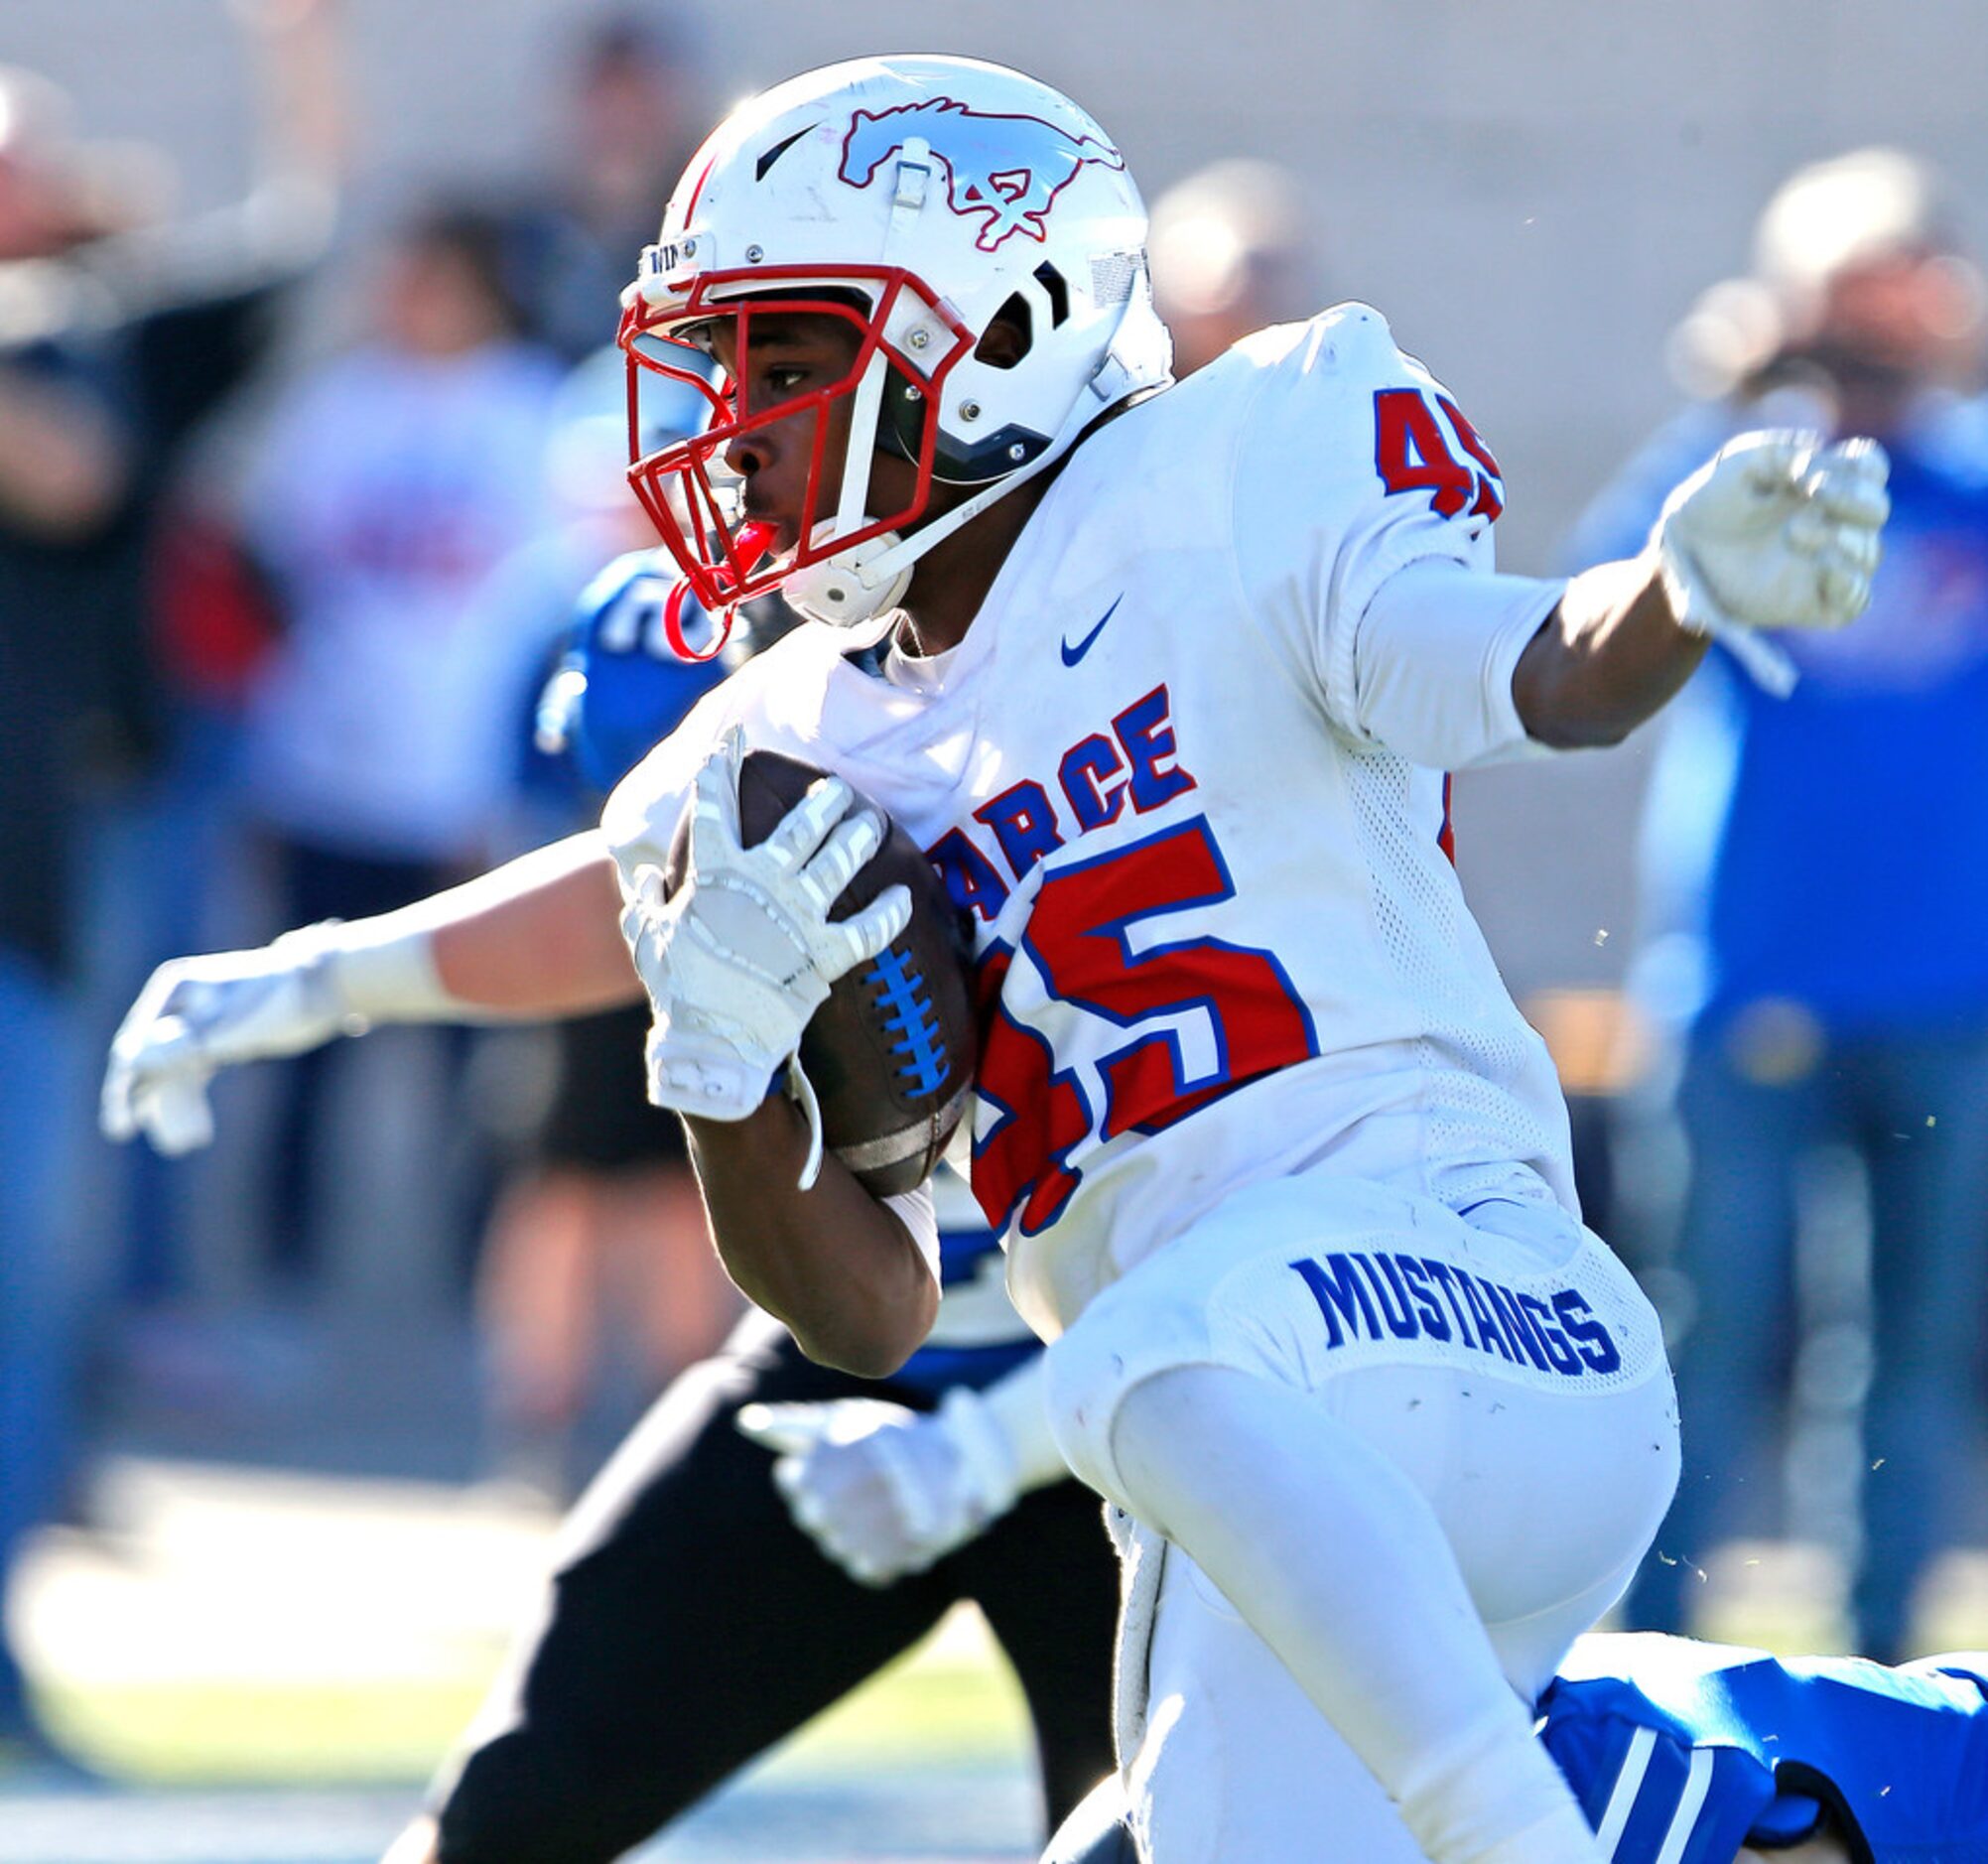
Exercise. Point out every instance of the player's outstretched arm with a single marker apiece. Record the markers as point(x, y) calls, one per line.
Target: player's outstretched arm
point(538, 937)
point(1611, 656)
point(1775, 532)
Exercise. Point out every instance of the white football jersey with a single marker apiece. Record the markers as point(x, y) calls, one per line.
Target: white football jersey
point(1219, 935)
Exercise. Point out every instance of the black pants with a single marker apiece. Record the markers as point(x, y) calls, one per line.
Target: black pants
point(692, 1626)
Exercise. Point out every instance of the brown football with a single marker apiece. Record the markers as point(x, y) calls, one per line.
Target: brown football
point(890, 1054)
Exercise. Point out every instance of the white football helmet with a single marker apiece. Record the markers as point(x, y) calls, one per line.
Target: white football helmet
point(917, 197)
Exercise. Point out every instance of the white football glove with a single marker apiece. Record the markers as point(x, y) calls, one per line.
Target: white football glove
point(744, 953)
point(884, 1490)
point(196, 1015)
point(1775, 531)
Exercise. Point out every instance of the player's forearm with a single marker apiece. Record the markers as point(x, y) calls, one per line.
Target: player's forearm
point(537, 937)
point(838, 1268)
point(1609, 656)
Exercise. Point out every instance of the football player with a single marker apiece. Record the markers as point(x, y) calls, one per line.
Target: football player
point(1166, 680)
point(1689, 1753)
point(708, 1600)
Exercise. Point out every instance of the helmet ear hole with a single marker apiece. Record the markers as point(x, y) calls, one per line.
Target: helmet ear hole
point(902, 420)
point(1009, 334)
point(1056, 291)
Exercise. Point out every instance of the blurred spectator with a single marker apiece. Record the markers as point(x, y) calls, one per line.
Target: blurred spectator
point(118, 334)
point(1233, 249)
point(1820, 883)
point(624, 132)
point(390, 481)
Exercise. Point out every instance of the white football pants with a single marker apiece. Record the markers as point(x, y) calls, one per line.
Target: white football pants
point(1424, 1452)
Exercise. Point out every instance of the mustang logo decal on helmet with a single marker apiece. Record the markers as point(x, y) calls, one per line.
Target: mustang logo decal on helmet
point(1011, 198)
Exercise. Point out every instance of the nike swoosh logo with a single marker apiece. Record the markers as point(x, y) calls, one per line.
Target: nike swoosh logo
point(1071, 655)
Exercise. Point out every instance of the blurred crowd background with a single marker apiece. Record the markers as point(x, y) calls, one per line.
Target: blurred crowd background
point(308, 444)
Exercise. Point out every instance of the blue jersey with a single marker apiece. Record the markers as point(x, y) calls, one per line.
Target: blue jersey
point(619, 691)
point(1682, 1752)
point(1847, 868)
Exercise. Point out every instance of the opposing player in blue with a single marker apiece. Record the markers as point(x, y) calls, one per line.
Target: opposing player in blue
point(708, 1599)
point(1688, 1753)
point(1681, 1752)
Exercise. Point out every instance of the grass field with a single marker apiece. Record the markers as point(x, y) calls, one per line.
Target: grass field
point(927, 1763)
point(266, 1667)
point(951, 1705)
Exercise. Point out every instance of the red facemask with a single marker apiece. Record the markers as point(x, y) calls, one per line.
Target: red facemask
point(691, 495)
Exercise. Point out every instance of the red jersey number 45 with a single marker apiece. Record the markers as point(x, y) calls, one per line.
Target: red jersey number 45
point(1417, 438)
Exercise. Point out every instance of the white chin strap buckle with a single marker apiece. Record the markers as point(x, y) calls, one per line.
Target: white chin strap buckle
point(839, 589)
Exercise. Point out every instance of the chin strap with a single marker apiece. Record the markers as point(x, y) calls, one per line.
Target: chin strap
point(752, 542)
point(842, 591)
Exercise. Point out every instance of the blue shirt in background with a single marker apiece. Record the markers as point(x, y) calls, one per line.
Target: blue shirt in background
point(1849, 869)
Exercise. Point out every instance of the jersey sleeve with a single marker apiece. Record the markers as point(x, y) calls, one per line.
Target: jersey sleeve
point(1353, 464)
point(1433, 662)
point(770, 699)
